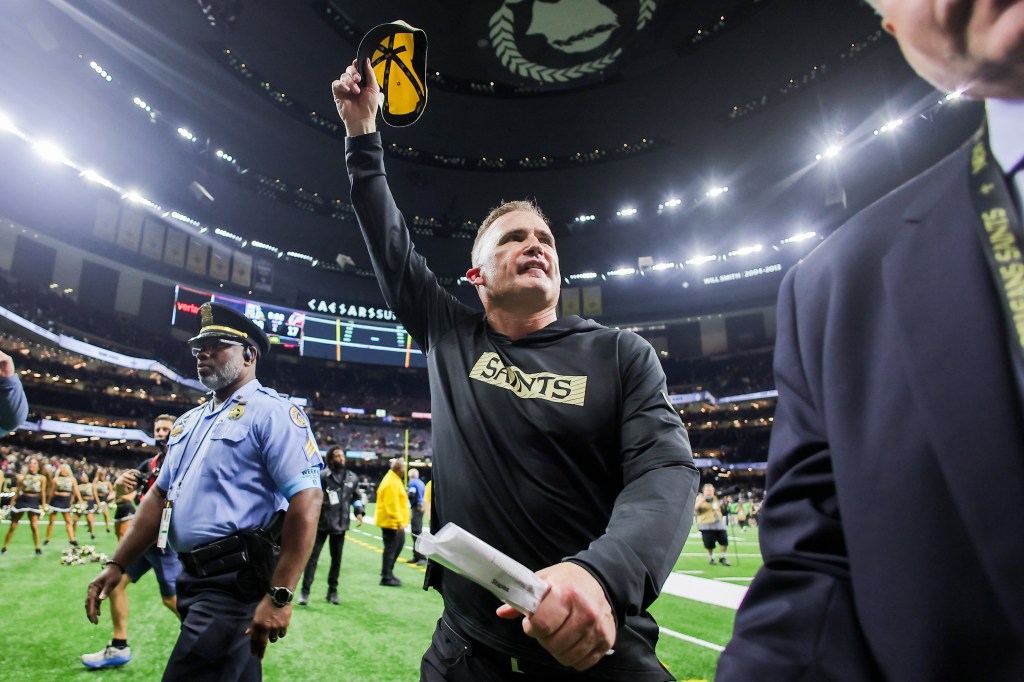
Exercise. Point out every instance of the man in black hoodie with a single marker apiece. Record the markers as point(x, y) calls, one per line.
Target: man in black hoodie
point(555, 442)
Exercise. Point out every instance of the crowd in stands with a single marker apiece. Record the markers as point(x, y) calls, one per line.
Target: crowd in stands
point(90, 391)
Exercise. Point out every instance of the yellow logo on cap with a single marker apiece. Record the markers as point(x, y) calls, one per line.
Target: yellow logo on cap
point(298, 418)
point(206, 314)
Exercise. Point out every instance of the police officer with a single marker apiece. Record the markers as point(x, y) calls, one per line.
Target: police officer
point(232, 464)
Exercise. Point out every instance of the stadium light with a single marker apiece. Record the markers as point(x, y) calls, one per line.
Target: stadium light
point(585, 218)
point(717, 191)
point(181, 217)
point(830, 152)
point(584, 275)
point(663, 266)
point(141, 104)
point(745, 250)
point(803, 236)
point(7, 125)
point(187, 134)
point(700, 260)
point(890, 126)
point(671, 203)
point(101, 71)
point(51, 153)
point(626, 212)
point(265, 247)
point(137, 198)
point(622, 272)
point(93, 176)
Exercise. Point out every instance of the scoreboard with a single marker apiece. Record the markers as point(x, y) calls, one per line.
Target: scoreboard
point(328, 337)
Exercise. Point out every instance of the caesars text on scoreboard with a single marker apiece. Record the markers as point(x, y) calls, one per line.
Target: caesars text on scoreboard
point(338, 338)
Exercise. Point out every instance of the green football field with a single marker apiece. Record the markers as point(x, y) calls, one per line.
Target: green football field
point(376, 634)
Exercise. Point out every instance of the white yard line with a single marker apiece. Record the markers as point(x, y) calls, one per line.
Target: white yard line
point(692, 640)
point(703, 590)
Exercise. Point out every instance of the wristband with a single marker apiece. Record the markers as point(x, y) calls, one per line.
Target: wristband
point(123, 571)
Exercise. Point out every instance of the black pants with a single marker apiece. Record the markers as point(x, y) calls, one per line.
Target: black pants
point(417, 528)
point(212, 644)
point(394, 540)
point(337, 544)
point(453, 657)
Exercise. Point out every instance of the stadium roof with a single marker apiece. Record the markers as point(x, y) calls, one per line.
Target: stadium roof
point(593, 107)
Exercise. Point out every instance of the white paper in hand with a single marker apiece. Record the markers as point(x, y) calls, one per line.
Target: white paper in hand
point(469, 556)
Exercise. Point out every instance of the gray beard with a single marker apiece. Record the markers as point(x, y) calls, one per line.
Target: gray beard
point(224, 375)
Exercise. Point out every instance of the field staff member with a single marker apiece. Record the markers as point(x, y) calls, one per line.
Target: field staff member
point(553, 438)
point(232, 464)
point(900, 371)
point(392, 515)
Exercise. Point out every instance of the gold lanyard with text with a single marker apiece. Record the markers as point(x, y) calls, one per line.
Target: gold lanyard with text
point(999, 228)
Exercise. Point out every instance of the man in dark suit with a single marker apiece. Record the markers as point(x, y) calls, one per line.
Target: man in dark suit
point(890, 531)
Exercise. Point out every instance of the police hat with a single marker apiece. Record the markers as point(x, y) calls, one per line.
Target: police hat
point(398, 55)
point(221, 322)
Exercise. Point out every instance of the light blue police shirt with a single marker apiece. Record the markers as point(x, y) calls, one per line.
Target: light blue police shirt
point(229, 469)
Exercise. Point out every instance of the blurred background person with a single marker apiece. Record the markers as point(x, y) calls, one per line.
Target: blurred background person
point(89, 505)
point(392, 515)
point(340, 493)
point(63, 501)
point(417, 495)
point(711, 523)
point(29, 498)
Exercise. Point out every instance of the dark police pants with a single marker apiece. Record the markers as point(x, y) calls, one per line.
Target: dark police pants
point(337, 544)
point(212, 645)
point(394, 540)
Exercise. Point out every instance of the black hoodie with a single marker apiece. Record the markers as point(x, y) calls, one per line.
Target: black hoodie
point(561, 445)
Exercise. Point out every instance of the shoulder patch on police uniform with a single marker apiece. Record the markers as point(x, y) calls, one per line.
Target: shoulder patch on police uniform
point(298, 418)
point(176, 430)
point(311, 448)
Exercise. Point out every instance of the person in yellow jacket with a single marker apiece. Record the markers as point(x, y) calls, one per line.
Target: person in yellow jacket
point(392, 516)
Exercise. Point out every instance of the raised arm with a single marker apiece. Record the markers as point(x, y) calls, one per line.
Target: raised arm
point(410, 288)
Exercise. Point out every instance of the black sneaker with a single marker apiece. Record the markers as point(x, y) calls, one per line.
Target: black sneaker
point(711, 561)
point(723, 561)
point(303, 598)
point(391, 582)
point(73, 543)
point(38, 551)
point(46, 543)
point(332, 597)
point(3, 551)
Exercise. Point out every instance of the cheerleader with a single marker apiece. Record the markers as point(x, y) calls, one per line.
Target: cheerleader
point(124, 511)
point(88, 508)
point(28, 499)
point(62, 501)
point(104, 493)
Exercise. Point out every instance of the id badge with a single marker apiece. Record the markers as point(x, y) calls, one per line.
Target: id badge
point(332, 497)
point(165, 527)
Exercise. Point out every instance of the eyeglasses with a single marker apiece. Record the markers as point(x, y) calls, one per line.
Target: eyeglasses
point(212, 347)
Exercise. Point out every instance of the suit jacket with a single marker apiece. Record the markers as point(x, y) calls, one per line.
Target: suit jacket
point(891, 527)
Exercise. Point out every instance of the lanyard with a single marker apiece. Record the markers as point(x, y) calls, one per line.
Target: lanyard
point(999, 229)
point(200, 454)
